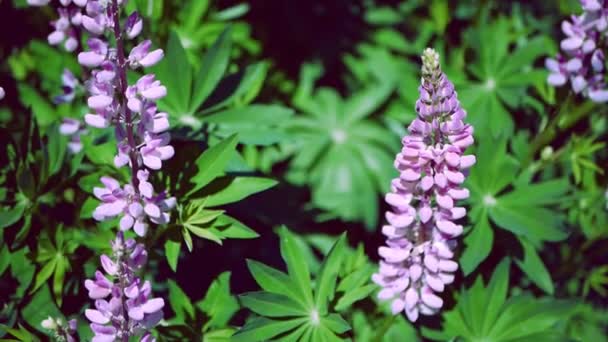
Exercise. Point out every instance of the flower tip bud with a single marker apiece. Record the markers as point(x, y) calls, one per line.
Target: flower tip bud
point(430, 61)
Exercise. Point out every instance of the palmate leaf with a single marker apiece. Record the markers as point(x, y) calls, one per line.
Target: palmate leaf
point(341, 153)
point(527, 210)
point(500, 77)
point(296, 313)
point(484, 313)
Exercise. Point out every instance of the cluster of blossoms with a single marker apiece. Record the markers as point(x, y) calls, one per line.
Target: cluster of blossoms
point(143, 145)
point(68, 24)
point(134, 206)
point(581, 60)
point(421, 227)
point(131, 309)
point(61, 332)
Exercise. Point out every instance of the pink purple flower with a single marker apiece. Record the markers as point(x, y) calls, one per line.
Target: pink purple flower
point(422, 224)
point(581, 60)
point(124, 305)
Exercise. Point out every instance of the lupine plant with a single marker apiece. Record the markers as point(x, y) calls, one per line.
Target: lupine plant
point(330, 171)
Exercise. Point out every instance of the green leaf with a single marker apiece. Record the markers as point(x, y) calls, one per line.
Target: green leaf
point(273, 280)
point(353, 295)
point(99, 153)
point(232, 12)
point(44, 274)
point(212, 163)
point(532, 222)
point(175, 73)
point(180, 303)
point(56, 149)
point(534, 267)
point(327, 275)
point(10, 216)
point(296, 265)
point(262, 329)
point(172, 251)
point(255, 124)
point(356, 279)
point(219, 304)
point(271, 304)
point(212, 68)
point(238, 189)
point(234, 229)
point(39, 308)
point(549, 192)
point(497, 294)
point(335, 323)
point(43, 111)
point(61, 266)
point(478, 243)
point(364, 103)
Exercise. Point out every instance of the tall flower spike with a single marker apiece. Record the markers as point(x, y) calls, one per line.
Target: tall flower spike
point(420, 235)
point(581, 60)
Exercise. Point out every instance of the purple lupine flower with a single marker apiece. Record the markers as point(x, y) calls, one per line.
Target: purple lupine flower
point(581, 60)
point(124, 306)
point(69, 85)
point(134, 25)
point(134, 207)
point(70, 17)
point(72, 128)
point(421, 227)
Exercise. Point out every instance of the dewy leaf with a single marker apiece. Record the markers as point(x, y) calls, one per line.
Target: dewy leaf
point(478, 243)
point(534, 267)
point(330, 268)
point(238, 189)
point(212, 68)
point(263, 329)
point(271, 304)
point(296, 264)
point(212, 163)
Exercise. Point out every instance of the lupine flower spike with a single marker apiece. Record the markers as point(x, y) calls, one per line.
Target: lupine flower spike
point(124, 306)
point(421, 231)
point(581, 60)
